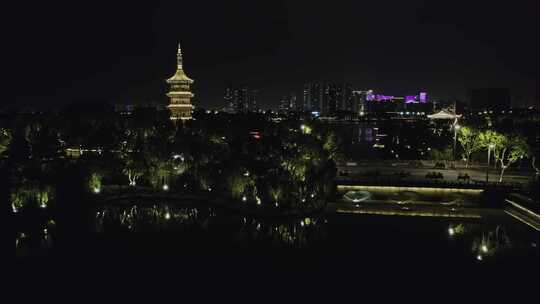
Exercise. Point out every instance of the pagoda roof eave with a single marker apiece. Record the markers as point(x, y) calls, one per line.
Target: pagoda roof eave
point(180, 76)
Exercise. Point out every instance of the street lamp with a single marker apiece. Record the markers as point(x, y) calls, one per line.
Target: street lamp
point(491, 146)
point(456, 128)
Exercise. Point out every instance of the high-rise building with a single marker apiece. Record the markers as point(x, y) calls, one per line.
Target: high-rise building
point(337, 98)
point(347, 99)
point(312, 97)
point(240, 99)
point(180, 93)
point(229, 99)
point(293, 105)
point(253, 97)
point(360, 102)
point(331, 98)
point(288, 103)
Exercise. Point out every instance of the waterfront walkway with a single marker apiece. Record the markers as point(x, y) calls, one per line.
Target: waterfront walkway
point(385, 169)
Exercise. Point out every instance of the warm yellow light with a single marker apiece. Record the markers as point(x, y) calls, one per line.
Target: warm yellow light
point(484, 249)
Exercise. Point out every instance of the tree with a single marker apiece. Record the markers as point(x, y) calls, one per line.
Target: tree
point(133, 157)
point(331, 147)
point(492, 140)
point(239, 183)
point(441, 154)
point(134, 167)
point(534, 156)
point(468, 140)
point(5, 138)
point(507, 149)
point(19, 148)
point(515, 148)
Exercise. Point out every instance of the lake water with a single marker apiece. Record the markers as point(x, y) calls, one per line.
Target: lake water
point(171, 230)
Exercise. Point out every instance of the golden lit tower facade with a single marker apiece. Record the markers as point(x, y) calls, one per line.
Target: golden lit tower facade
point(180, 93)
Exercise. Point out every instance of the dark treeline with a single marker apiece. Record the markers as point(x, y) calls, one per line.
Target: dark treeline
point(61, 161)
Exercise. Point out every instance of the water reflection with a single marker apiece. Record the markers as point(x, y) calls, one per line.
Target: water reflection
point(491, 244)
point(35, 240)
point(196, 224)
point(486, 241)
point(153, 217)
point(293, 232)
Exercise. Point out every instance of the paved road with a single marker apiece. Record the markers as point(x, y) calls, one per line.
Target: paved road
point(448, 174)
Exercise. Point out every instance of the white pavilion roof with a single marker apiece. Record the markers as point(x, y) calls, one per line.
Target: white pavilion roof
point(443, 115)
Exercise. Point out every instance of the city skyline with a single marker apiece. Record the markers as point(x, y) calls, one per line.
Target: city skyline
point(126, 57)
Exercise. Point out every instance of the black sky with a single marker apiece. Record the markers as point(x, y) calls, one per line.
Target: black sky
point(62, 52)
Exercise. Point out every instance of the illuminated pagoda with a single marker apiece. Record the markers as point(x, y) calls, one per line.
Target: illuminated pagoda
point(180, 94)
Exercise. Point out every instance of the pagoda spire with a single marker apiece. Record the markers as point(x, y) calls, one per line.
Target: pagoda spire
point(180, 93)
point(179, 57)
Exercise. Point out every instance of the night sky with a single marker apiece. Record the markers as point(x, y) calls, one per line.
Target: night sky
point(122, 51)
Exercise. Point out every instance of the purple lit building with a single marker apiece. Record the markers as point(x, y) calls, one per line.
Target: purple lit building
point(411, 99)
point(420, 98)
point(423, 97)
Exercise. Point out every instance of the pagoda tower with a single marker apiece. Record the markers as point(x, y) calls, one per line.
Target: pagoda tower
point(180, 93)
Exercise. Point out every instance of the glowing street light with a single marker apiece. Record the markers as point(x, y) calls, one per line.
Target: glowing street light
point(244, 198)
point(479, 257)
point(167, 216)
point(97, 190)
point(451, 231)
point(484, 249)
point(165, 187)
point(456, 129)
point(490, 147)
point(305, 129)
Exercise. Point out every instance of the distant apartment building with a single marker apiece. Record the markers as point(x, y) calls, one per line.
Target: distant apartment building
point(327, 98)
point(240, 99)
point(288, 104)
point(312, 97)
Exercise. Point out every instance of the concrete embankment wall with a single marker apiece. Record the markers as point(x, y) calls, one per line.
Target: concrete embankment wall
point(521, 208)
